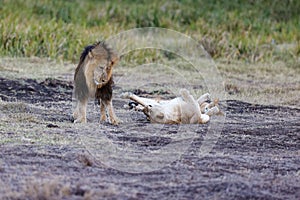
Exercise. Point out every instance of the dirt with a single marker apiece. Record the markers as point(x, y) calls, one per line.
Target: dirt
point(45, 156)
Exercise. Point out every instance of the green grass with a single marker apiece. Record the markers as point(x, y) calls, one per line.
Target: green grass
point(237, 29)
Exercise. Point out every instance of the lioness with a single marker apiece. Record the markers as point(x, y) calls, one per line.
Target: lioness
point(181, 110)
point(93, 79)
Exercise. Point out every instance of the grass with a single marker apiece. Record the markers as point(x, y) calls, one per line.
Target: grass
point(238, 29)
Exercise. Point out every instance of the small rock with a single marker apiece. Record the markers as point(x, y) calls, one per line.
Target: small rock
point(52, 126)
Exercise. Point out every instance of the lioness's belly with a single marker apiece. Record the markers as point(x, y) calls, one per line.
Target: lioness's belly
point(167, 112)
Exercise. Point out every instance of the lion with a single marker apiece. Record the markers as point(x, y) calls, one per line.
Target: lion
point(93, 79)
point(181, 110)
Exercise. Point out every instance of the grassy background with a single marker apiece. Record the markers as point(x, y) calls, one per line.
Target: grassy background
point(247, 30)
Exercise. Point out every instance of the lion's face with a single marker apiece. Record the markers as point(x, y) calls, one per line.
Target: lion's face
point(102, 72)
point(102, 65)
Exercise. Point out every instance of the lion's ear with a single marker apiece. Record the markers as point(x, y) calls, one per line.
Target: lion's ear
point(90, 55)
point(216, 101)
point(114, 59)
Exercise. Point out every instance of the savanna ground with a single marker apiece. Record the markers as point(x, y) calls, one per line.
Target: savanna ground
point(45, 156)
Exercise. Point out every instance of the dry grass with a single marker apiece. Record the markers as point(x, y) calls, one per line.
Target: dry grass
point(262, 83)
point(35, 68)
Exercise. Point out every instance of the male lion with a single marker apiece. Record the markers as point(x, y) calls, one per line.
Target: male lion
point(181, 110)
point(93, 79)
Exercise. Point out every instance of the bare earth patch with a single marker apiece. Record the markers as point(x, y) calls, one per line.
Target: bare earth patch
point(45, 156)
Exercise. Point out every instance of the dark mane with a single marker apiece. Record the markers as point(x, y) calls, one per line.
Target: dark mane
point(105, 92)
point(108, 50)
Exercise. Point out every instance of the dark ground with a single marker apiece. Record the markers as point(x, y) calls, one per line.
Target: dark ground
point(257, 155)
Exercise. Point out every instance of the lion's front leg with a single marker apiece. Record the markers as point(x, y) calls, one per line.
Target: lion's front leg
point(102, 111)
point(111, 113)
point(79, 114)
point(75, 112)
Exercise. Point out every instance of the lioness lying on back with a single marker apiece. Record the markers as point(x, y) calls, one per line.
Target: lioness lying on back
point(181, 110)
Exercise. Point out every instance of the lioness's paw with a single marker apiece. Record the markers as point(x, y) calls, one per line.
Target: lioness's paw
point(126, 95)
point(213, 111)
point(207, 96)
point(204, 119)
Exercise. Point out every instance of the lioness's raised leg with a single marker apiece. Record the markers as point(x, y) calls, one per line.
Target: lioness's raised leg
point(213, 111)
point(137, 99)
point(145, 104)
point(211, 108)
point(203, 98)
point(197, 116)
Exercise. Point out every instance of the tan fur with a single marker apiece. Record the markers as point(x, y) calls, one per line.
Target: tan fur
point(93, 77)
point(181, 110)
point(211, 108)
